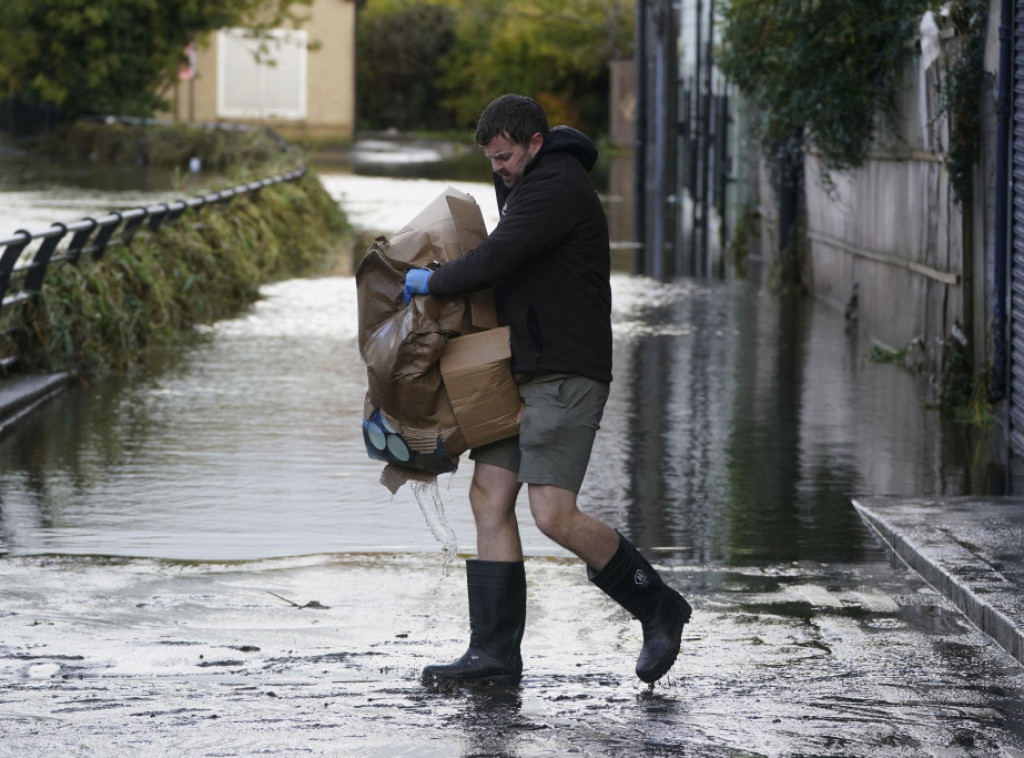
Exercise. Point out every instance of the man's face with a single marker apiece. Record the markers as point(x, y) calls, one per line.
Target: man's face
point(509, 160)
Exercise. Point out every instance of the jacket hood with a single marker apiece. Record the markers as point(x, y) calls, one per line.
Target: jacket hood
point(568, 140)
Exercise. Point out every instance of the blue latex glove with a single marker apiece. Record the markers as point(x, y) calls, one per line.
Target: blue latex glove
point(416, 283)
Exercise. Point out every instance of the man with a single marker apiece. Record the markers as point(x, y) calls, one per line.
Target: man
point(548, 259)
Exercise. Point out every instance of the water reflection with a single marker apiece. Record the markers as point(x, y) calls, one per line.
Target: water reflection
point(24, 170)
point(489, 719)
point(790, 494)
point(748, 422)
point(38, 192)
point(715, 437)
point(738, 428)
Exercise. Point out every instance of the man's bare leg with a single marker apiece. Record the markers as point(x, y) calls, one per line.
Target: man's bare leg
point(558, 517)
point(618, 569)
point(496, 583)
point(492, 496)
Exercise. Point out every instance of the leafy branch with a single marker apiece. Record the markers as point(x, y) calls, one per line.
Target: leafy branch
point(823, 68)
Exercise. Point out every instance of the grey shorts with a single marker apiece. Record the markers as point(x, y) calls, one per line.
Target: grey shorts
point(561, 418)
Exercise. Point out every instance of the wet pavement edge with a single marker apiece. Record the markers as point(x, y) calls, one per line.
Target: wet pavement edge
point(969, 549)
point(20, 395)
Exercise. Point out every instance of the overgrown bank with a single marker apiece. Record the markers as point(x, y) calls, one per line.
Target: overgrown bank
point(239, 153)
point(101, 316)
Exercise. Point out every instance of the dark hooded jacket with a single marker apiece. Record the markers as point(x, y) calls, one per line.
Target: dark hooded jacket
point(549, 262)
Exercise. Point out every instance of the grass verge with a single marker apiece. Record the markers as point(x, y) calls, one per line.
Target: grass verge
point(102, 316)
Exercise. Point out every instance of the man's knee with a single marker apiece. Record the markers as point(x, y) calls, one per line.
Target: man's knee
point(553, 510)
point(486, 501)
point(551, 525)
point(493, 491)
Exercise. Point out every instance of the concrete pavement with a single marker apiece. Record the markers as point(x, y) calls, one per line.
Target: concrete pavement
point(970, 549)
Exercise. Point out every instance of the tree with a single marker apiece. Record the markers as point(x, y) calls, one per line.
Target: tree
point(399, 49)
point(111, 56)
point(820, 73)
point(474, 50)
point(556, 51)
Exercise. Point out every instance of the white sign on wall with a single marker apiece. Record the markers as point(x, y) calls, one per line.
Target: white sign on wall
point(261, 76)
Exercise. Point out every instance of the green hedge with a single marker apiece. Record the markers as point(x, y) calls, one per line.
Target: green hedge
point(242, 153)
point(102, 316)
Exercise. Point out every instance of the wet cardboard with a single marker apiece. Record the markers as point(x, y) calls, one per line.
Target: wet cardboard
point(469, 226)
point(477, 368)
point(402, 345)
point(477, 372)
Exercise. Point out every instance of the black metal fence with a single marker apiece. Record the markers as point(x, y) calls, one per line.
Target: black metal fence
point(26, 255)
point(20, 118)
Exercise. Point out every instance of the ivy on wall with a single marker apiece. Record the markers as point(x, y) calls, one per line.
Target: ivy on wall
point(960, 93)
point(825, 68)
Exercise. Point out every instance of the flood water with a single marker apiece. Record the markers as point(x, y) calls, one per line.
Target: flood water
point(36, 192)
point(164, 537)
point(739, 427)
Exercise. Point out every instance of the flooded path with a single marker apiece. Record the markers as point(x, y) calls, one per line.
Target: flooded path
point(107, 657)
point(199, 560)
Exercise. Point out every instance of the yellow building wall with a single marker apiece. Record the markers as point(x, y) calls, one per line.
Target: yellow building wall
point(330, 78)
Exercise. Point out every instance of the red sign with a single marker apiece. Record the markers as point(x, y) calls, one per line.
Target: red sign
point(187, 69)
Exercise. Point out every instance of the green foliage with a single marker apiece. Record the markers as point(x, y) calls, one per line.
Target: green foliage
point(475, 50)
point(789, 275)
point(110, 56)
point(171, 146)
point(738, 251)
point(881, 354)
point(960, 92)
point(823, 67)
point(400, 47)
point(963, 391)
point(97, 317)
point(556, 52)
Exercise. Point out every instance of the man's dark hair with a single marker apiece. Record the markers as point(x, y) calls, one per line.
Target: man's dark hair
point(515, 116)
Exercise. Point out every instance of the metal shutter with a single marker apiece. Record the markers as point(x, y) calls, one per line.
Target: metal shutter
point(1016, 293)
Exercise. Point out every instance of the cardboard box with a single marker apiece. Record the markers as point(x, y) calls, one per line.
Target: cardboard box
point(449, 226)
point(477, 373)
point(469, 225)
point(415, 419)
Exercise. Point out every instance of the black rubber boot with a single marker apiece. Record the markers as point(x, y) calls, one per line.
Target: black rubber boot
point(497, 617)
point(629, 580)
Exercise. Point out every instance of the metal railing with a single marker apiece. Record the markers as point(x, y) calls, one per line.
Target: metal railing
point(27, 255)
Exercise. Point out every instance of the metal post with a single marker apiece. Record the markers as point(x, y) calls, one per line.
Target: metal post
point(705, 130)
point(656, 250)
point(640, 141)
point(696, 255)
point(1002, 190)
point(40, 261)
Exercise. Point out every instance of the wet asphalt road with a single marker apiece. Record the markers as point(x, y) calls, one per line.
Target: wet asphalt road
point(320, 656)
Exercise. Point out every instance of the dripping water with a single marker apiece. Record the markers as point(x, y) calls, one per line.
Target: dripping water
point(428, 496)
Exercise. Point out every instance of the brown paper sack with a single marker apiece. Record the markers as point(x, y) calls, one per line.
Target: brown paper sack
point(402, 345)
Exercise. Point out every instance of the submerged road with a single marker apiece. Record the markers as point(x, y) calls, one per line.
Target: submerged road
point(199, 561)
point(106, 657)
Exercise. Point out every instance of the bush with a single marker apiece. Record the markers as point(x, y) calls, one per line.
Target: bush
point(225, 150)
point(102, 316)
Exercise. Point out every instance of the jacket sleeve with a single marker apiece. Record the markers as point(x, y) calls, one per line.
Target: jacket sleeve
point(539, 216)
